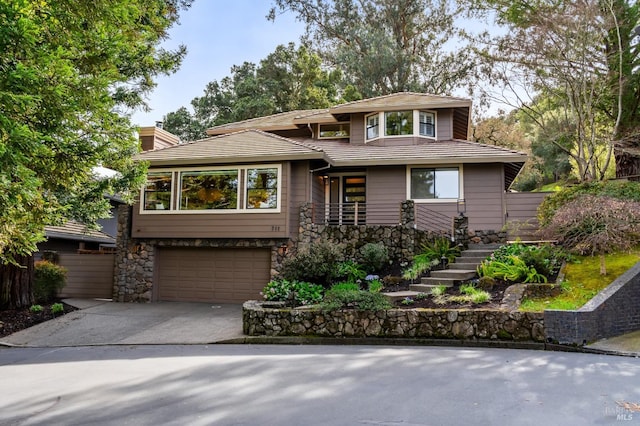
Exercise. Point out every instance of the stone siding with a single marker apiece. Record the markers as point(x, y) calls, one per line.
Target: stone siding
point(422, 323)
point(612, 312)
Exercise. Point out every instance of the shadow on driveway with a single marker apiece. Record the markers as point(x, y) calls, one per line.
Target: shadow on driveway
point(107, 323)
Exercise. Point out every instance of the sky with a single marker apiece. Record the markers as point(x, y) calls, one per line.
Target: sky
point(218, 34)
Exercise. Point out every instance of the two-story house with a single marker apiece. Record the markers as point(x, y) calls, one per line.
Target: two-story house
point(217, 214)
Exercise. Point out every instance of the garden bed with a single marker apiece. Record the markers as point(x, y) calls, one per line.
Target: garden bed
point(14, 320)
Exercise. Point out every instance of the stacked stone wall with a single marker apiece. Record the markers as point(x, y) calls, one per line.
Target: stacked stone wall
point(419, 323)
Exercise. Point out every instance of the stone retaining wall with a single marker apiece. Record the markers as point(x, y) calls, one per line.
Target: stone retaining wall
point(430, 323)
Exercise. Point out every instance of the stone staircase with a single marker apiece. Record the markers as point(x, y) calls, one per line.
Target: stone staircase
point(463, 268)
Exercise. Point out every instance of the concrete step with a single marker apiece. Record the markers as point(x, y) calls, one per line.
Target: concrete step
point(467, 266)
point(394, 296)
point(476, 253)
point(476, 260)
point(426, 288)
point(432, 282)
point(484, 246)
point(456, 274)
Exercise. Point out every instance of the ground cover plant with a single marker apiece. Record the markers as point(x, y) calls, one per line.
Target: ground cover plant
point(582, 281)
point(14, 320)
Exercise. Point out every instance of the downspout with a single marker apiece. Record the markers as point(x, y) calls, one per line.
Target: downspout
point(311, 172)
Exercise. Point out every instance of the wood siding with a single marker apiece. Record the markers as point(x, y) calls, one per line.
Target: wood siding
point(216, 225)
point(483, 193)
point(522, 210)
point(444, 124)
point(299, 184)
point(357, 135)
point(88, 275)
point(386, 189)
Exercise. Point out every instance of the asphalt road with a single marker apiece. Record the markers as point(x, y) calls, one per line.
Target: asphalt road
point(314, 385)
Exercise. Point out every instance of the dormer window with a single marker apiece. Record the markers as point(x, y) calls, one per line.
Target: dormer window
point(401, 123)
point(332, 131)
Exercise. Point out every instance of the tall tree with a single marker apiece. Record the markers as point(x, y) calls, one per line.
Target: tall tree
point(287, 79)
point(565, 52)
point(386, 46)
point(67, 70)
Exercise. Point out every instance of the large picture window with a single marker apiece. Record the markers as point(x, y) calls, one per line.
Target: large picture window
point(157, 191)
point(262, 188)
point(337, 130)
point(209, 190)
point(432, 183)
point(401, 123)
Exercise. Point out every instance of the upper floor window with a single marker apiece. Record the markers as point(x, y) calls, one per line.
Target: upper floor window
point(262, 188)
point(401, 123)
point(373, 129)
point(398, 123)
point(157, 191)
point(427, 124)
point(337, 130)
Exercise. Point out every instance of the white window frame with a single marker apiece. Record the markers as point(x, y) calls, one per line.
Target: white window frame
point(382, 125)
point(436, 167)
point(340, 123)
point(176, 190)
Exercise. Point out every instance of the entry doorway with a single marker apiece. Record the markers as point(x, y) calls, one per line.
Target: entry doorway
point(346, 200)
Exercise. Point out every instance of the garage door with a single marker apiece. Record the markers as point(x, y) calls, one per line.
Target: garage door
point(212, 275)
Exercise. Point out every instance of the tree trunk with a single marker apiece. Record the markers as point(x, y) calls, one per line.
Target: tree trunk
point(16, 283)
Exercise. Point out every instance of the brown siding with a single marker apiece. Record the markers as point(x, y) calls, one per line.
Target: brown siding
point(357, 129)
point(303, 132)
point(386, 189)
point(444, 125)
point(522, 210)
point(215, 225)
point(461, 123)
point(147, 143)
point(483, 193)
point(299, 184)
point(88, 275)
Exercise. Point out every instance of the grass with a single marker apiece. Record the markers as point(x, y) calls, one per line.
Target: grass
point(583, 281)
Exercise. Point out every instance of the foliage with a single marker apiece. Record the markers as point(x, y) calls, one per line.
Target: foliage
point(386, 46)
point(35, 308)
point(546, 259)
point(572, 67)
point(512, 269)
point(583, 282)
point(318, 263)
point(295, 292)
point(614, 189)
point(408, 301)
point(348, 296)
point(351, 271)
point(57, 308)
point(49, 279)
point(289, 78)
point(596, 225)
point(374, 285)
point(439, 290)
point(468, 294)
point(67, 72)
point(439, 248)
point(375, 256)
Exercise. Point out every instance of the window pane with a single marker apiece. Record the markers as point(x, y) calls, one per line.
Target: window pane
point(210, 190)
point(427, 124)
point(262, 188)
point(334, 130)
point(372, 126)
point(398, 123)
point(157, 191)
point(422, 183)
point(447, 183)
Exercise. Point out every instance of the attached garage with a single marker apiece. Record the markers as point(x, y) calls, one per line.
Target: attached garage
point(211, 274)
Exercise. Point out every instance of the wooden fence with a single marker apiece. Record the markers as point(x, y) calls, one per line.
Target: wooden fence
point(88, 275)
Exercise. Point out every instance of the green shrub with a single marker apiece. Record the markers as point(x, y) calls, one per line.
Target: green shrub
point(375, 286)
point(35, 308)
point(49, 279)
point(375, 256)
point(316, 264)
point(439, 248)
point(57, 308)
point(295, 292)
point(545, 259)
point(348, 296)
point(351, 271)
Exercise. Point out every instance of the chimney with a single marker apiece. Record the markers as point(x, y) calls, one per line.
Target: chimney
point(159, 124)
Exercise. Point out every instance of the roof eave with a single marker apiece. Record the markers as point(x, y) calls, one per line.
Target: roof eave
point(414, 161)
point(350, 109)
point(235, 160)
point(218, 132)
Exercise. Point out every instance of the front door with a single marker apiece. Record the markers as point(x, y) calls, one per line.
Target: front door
point(347, 200)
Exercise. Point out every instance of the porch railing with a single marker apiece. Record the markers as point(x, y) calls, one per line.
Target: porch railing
point(433, 221)
point(356, 213)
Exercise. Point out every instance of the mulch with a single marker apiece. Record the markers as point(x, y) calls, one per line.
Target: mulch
point(14, 320)
point(497, 293)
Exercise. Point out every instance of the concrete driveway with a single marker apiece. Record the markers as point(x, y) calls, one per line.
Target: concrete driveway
point(107, 323)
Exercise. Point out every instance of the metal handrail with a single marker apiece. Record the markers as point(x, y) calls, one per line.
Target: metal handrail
point(356, 213)
point(430, 220)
